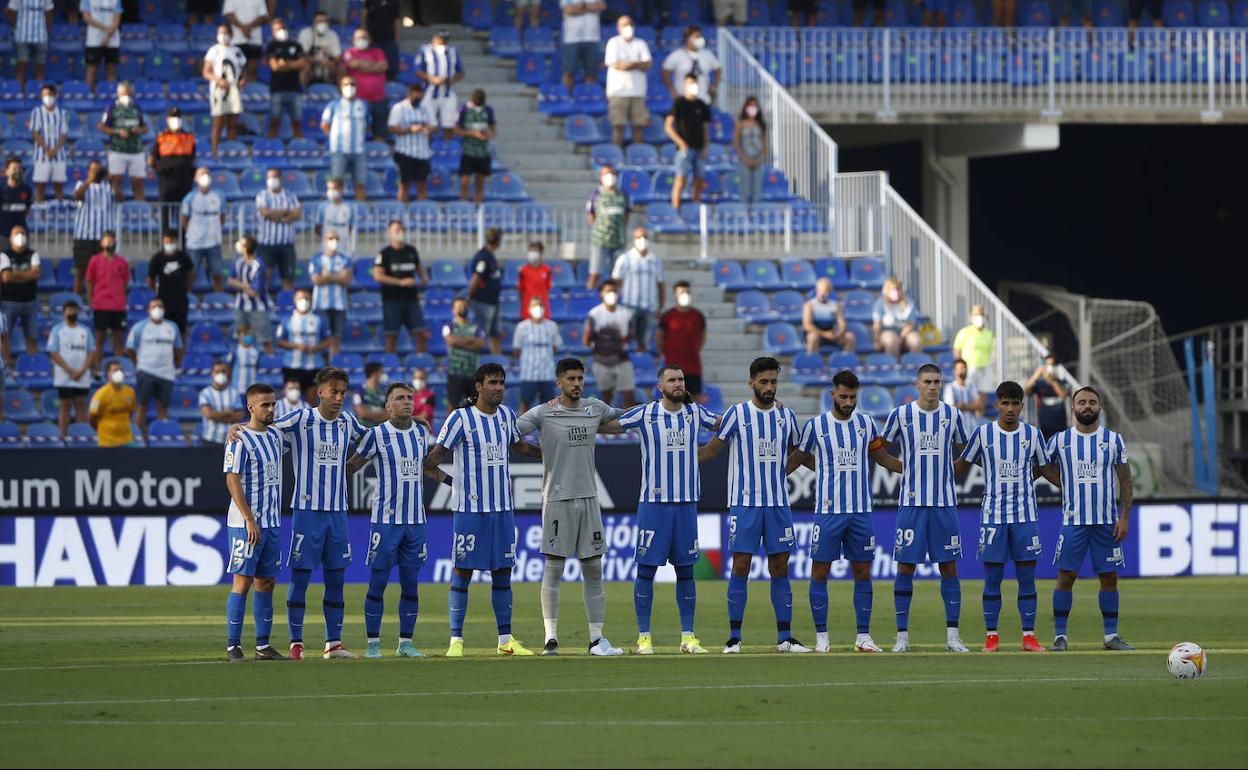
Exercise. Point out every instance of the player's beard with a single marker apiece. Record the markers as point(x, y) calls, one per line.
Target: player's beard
point(764, 398)
point(836, 411)
point(1088, 418)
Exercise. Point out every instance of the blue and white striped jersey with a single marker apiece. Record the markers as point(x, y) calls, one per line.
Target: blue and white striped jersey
point(400, 457)
point(245, 362)
point(52, 125)
point(441, 65)
point(537, 343)
point(97, 212)
point(842, 451)
point(348, 125)
point(252, 272)
point(221, 400)
point(284, 407)
point(760, 440)
point(1089, 480)
point(32, 26)
point(257, 459)
point(669, 450)
point(331, 296)
point(318, 449)
point(306, 329)
point(1008, 458)
point(480, 444)
point(275, 233)
point(927, 440)
point(641, 277)
point(404, 115)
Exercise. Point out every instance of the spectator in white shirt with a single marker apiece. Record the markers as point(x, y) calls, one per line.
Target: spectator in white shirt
point(580, 40)
point(219, 405)
point(607, 335)
point(694, 58)
point(639, 273)
point(71, 348)
point(246, 19)
point(731, 13)
point(627, 59)
point(225, 69)
point(324, 50)
point(103, 40)
point(155, 346)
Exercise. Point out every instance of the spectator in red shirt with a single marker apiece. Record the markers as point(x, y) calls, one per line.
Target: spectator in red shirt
point(535, 280)
point(681, 335)
point(422, 396)
point(367, 64)
point(108, 275)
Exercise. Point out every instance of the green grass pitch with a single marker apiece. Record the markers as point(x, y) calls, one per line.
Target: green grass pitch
point(135, 677)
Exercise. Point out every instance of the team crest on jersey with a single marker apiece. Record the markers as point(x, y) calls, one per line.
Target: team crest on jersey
point(862, 432)
point(944, 422)
point(1102, 445)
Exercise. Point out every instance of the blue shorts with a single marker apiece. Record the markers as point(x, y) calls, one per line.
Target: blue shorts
point(279, 256)
point(335, 321)
point(398, 314)
point(1076, 539)
point(286, 103)
point(32, 52)
point(537, 392)
point(262, 560)
point(588, 55)
point(689, 163)
point(930, 533)
point(401, 544)
point(999, 543)
point(842, 536)
point(485, 541)
point(338, 162)
point(485, 315)
point(773, 525)
point(667, 532)
point(208, 260)
point(319, 539)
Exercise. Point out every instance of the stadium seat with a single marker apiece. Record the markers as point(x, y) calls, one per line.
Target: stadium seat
point(34, 371)
point(635, 183)
point(876, 401)
point(505, 186)
point(554, 99)
point(763, 275)
point(1107, 13)
point(185, 403)
point(798, 273)
point(753, 306)
point(646, 370)
point(808, 369)
point(1239, 13)
point(606, 154)
point(10, 435)
point(582, 129)
point(206, 338)
point(775, 186)
point(447, 273)
point(44, 435)
point(787, 306)
point(912, 361)
point(358, 338)
point(165, 434)
point(589, 98)
point(196, 370)
point(505, 42)
point(835, 269)
point(841, 360)
point(571, 333)
point(781, 339)
point(532, 69)
point(858, 306)
point(662, 219)
point(642, 155)
point(867, 273)
point(20, 406)
point(477, 14)
point(1213, 13)
point(883, 369)
point(730, 277)
point(1178, 13)
point(905, 394)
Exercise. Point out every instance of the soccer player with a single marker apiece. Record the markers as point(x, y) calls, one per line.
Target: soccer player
point(253, 475)
point(763, 435)
point(927, 514)
point(837, 445)
point(479, 435)
point(1012, 453)
point(667, 514)
point(571, 518)
point(1096, 500)
point(397, 534)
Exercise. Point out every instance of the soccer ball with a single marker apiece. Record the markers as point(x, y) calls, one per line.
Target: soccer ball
point(1187, 661)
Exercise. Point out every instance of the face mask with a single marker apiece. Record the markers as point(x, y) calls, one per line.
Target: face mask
point(117, 377)
point(175, 124)
point(273, 183)
point(124, 100)
point(609, 298)
point(416, 99)
point(461, 312)
point(627, 32)
point(219, 379)
point(331, 246)
point(977, 321)
point(361, 44)
point(248, 340)
point(534, 257)
point(19, 241)
point(440, 50)
point(281, 35)
point(608, 181)
point(684, 300)
point(692, 90)
point(698, 42)
point(418, 384)
point(641, 244)
point(334, 195)
point(170, 248)
point(536, 312)
point(71, 318)
point(348, 92)
point(49, 101)
point(893, 295)
point(292, 395)
point(321, 28)
point(302, 305)
point(752, 111)
point(223, 39)
point(157, 314)
point(384, 379)
point(204, 180)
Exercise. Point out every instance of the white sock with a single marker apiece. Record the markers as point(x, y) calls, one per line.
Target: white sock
point(1110, 637)
point(821, 636)
point(551, 577)
point(372, 639)
point(503, 639)
point(1028, 633)
point(457, 638)
point(903, 636)
point(552, 629)
point(994, 633)
point(951, 634)
point(595, 631)
point(862, 638)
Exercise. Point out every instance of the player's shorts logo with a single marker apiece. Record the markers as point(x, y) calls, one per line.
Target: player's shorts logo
point(597, 539)
point(955, 543)
point(870, 546)
point(1035, 544)
point(788, 535)
point(1116, 555)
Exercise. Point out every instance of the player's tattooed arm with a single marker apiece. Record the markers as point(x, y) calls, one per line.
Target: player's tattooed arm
point(1126, 496)
point(1048, 473)
point(437, 474)
point(610, 427)
point(527, 449)
point(355, 464)
point(798, 458)
point(434, 459)
point(710, 449)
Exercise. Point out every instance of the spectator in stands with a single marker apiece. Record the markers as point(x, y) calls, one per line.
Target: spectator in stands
point(730, 13)
point(439, 65)
point(330, 272)
point(477, 127)
point(345, 122)
point(580, 40)
point(680, 337)
point(749, 140)
point(173, 158)
point(202, 216)
point(823, 320)
point(1050, 389)
point(607, 211)
point(693, 58)
point(125, 126)
point(689, 126)
point(4, 334)
point(485, 288)
point(627, 59)
point(291, 400)
point(287, 62)
point(877, 6)
point(639, 276)
point(1066, 10)
point(103, 38)
point(171, 274)
point(201, 11)
point(334, 213)
point(278, 210)
point(49, 130)
point(20, 270)
point(422, 396)
point(369, 402)
point(975, 343)
point(108, 275)
point(244, 361)
point(245, 20)
point(226, 70)
point(536, 341)
point(219, 404)
point(303, 337)
point(935, 12)
point(530, 10)
point(411, 125)
point(96, 214)
point(15, 199)
point(398, 271)
point(31, 21)
point(382, 20)
point(894, 320)
point(536, 278)
point(367, 65)
point(111, 408)
point(252, 303)
point(71, 350)
point(607, 335)
point(324, 50)
point(155, 347)
point(464, 342)
point(962, 394)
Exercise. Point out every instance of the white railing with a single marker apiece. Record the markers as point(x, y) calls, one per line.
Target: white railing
point(1067, 73)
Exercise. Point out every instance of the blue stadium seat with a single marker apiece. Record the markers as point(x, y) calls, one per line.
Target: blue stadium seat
point(34, 371)
point(858, 306)
point(206, 338)
point(662, 219)
point(721, 127)
point(646, 369)
point(875, 401)
point(758, 14)
point(787, 306)
point(781, 339)
point(882, 369)
point(505, 42)
point(904, 394)
point(589, 98)
point(562, 274)
point(775, 186)
point(808, 369)
point(582, 129)
point(554, 99)
point(1213, 13)
point(10, 435)
point(912, 361)
point(1239, 13)
point(185, 403)
point(1035, 13)
point(730, 277)
point(841, 360)
point(477, 14)
point(447, 273)
point(196, 370)
point(661, 183)
point(1106, 13)
point(867, 273)
point(532, 69)
point(798, 273)
point(20, 406)
point(753, 306)
point(635, 183)
point(606, 154)
point(505, 186)
point(642, 155)
point(540, 40)
point(44, 435)
point(763, 275)
point(350, 361)
point(165, 434)
point(573, 339)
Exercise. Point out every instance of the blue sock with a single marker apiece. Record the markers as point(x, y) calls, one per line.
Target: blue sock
point(409, 601)
point(334, 606)
point(951, 592)
point(686, 597)
point(1027, 596)
point(296, 594)
point(737, 593)
point(819, 604)
point(501, 598)
point(643, 596)
point(458, 603)
point(1062, 602)
point(262, 608)
point(994, 573)
point(863, 596)
point(1109, 611)
point(235, 610)
point(782, 603)
point(903, 592)
point(375, 602)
